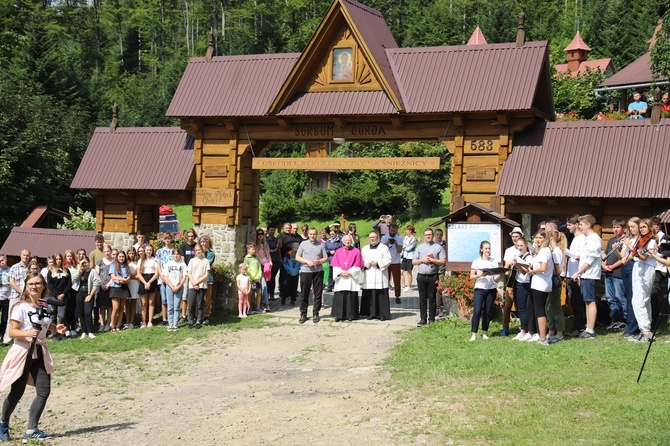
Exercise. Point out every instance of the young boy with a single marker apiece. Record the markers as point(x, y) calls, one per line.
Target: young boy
point(187, 252)
point(254, 273)
point(589, 272)
point(292, 267)
point(97, 255)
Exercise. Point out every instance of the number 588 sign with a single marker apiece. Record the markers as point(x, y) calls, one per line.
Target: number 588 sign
point(482, 146)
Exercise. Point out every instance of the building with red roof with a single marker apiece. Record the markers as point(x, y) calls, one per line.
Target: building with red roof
point(577, 53)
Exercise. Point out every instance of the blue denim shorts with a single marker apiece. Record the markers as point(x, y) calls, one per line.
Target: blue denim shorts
point(588, 287)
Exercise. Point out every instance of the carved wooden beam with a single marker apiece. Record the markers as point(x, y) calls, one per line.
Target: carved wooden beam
point(398, 121)
point(502, 119)
point(284, 122)
point(340, 122)
point(230, 123)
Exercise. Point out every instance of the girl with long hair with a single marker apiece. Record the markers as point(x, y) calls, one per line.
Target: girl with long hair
point(643, 279)
point(409, 243)
point(133, 288)
point(632, 329)
point(147, 270)
point(59, 283)
point(28, 359)
point(118, 290)
point(71, 263)
point(263, 254)
point(522, 290)
point(87, 282)
point(541, 272)
point(485, 289)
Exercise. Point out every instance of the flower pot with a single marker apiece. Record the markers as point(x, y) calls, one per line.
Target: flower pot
point(465, 314)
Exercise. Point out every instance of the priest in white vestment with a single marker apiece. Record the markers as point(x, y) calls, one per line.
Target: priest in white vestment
point(375, 298)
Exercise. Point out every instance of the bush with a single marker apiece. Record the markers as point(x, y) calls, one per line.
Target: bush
point(79, 220)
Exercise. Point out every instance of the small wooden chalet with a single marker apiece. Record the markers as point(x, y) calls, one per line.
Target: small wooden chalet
point(131, 171)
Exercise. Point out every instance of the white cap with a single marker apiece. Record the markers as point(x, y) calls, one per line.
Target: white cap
point(516, 230)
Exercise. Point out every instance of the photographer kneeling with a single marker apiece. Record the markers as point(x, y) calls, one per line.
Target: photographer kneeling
point(28, 361)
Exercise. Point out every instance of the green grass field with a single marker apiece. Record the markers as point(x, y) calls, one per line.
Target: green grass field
point(506, 392)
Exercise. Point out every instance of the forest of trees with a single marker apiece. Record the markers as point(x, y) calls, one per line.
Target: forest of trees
point(64, 63)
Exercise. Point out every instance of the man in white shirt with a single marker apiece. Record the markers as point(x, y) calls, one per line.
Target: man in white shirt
point(576, 302)
point(590, 268)
point(394, 243)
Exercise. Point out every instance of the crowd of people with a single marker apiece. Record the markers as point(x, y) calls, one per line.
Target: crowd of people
point(634, 270)
point(385, 264)
point(110, 289)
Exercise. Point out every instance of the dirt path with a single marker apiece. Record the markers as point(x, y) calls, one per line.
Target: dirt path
point(286, 385)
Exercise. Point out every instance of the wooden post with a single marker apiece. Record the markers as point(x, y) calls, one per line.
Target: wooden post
point(521, 32)
point(656, 108)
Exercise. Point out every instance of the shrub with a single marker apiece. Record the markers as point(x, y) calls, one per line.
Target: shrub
point(224, 273)
point(79, 220)
point(458, 286)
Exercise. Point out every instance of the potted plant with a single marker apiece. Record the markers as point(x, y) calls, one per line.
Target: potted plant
point(224, 280)
point(457, 286)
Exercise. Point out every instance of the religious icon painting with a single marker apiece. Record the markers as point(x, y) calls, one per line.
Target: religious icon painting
point(343, 62)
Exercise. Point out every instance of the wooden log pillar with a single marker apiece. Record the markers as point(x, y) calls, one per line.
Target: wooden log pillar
point(318, 180)
point(457, 168)
point(227, 190)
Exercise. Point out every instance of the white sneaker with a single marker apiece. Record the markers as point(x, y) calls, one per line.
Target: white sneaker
point(518, 336)
point(91, 336)
point(473, 338)
point(83, 336)
point(526, 336)
point(534, 338)
point(484, 337)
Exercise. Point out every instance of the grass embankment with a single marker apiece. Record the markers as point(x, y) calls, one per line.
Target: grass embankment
point(502, 391)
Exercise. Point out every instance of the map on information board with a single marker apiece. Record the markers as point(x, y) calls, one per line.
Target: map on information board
point(463, 240)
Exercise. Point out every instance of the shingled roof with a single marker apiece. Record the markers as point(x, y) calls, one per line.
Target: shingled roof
point(144, 158)
point(231, 85)
point(429, 79)
point(464, 78)
point(432, 79)
point(46, 242)
point(636, 73)
point(585, 159)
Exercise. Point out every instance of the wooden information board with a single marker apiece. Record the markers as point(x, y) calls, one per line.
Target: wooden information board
point(214, 198)
point(409, 163)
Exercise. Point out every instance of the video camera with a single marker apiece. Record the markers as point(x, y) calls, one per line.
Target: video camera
point(45, 311)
